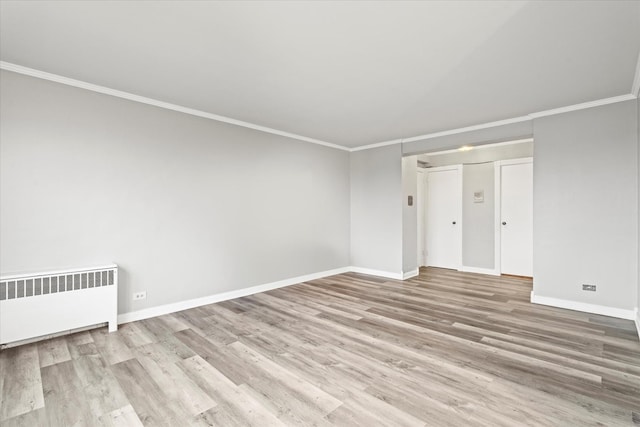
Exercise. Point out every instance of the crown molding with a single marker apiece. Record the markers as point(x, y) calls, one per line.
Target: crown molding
point(156, 103)
point(583, 105)
point(467, 129)
point(545, 113)
point(376, 145)
point(635, 88)
point(198, 113)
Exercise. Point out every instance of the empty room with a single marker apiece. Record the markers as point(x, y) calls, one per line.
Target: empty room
point(353, 213)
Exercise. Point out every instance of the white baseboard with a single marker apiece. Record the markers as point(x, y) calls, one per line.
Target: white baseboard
point(410, 274)
point(489, 271)
point(197, 302)
point(387, 274)
point(620, 313)
point(379, 273)
point(224, 296)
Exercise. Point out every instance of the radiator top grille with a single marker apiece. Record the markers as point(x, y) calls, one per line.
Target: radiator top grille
point(25, 287)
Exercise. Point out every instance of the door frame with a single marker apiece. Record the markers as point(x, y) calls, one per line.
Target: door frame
point(497, 173)
point(421, 204)
point(426, 173)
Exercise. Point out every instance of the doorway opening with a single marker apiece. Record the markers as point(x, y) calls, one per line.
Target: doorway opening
point(475, 209)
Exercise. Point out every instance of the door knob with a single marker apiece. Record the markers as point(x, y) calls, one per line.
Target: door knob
point(504, 222)
point(454, 223)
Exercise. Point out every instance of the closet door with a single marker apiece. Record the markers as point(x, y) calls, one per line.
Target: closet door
point(443, 217)
point(516, 217)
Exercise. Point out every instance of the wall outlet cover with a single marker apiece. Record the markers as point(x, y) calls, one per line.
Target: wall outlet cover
point(139, 295)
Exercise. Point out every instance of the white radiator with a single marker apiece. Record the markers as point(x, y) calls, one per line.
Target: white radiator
point(42, 304)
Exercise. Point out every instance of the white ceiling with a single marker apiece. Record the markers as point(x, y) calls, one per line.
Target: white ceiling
point(349, 73)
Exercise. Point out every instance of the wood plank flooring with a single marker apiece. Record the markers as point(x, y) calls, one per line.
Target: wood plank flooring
point(444, 348)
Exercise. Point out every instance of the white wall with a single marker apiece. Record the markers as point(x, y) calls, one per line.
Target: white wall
point(376, 209)
point(188, 207)
point(191, 207)
point(409, 214)
point(586, 205)
point(478, 231)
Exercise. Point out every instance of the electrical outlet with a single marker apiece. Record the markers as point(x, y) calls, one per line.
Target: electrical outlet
point(139, 295)
point(589, 288)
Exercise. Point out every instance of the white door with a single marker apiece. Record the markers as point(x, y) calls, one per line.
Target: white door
point(421, 204)
point(516, 217)
point(443, 217)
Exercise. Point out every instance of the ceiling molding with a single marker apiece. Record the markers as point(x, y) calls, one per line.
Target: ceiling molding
point(582, 106)
point(467, 129)
point(635, 88)
point(575, 107)
point(377, 145)
point(166, 105)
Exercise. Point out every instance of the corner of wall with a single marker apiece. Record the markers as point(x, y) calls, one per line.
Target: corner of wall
point(637, 319)
point(375, 210)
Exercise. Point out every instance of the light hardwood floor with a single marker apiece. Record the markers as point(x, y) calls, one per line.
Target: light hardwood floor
point(444, 348)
